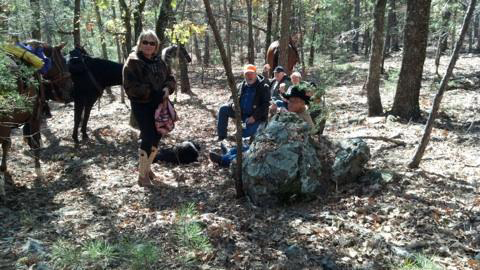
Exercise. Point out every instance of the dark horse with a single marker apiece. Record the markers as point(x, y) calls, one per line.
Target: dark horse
point(273, 54)
point(56, 84)
point(90, 77)
point(175, 51)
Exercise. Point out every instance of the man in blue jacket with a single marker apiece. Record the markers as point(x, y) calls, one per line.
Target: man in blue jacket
point(254, 101)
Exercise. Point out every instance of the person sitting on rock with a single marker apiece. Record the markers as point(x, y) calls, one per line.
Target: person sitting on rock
point(297, 99)
point(280, 76)
point(254, 102)
point(296, 78)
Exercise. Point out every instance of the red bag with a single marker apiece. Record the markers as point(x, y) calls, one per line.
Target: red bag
point(165, 117)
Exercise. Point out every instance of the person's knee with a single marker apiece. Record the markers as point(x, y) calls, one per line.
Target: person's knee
point(223, 111)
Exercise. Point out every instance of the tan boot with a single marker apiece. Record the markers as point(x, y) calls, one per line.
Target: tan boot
point(151, 175)
point(143, 179)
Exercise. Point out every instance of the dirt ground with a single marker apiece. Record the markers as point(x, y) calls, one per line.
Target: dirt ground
point(90, 191)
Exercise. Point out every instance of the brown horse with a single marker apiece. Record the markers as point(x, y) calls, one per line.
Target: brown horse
point(56, 83)
point(273, 54)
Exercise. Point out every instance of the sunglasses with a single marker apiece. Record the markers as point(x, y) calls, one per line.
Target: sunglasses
point(151, 43)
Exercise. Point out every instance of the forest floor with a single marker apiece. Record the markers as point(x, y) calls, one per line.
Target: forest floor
point(88, 206)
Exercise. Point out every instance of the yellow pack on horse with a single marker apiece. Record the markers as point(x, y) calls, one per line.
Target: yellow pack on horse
point(32, 87)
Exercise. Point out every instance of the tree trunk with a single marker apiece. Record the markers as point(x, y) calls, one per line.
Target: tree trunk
point(47, 26)
point(276, 31)
point(470, 37)
point(454, 29)
point(137, 18)
point(367, 42)
point(406, 101)
point(356, 26)
point(164, 18)
point(119, 55)
point(206, 54)
point(443, 86)
point(117, 42)
point(251, 50)
point(373, 80)
point(311, 56)
point(184, 80)
point(101, 31)
point(285, 33)
point(446, 15)
point(127, 17)
point(477, 32)
point(228, 27)
point(198, 52)
point(393, 26)
point(301, 30)
point(76, 24)
point(268, 34)
point(231, 84)
point(36, 32)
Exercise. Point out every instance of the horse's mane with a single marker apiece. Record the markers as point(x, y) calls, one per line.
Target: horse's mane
point(171, 51)
point(168, 53)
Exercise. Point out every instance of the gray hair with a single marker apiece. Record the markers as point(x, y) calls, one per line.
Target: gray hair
point(148, 33)
point(296, 74)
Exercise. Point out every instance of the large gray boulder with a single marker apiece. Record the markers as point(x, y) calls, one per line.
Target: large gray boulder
point(281, 162)
point(350, 160)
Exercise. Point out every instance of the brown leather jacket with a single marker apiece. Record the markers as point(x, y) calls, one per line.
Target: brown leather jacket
point(144, 79)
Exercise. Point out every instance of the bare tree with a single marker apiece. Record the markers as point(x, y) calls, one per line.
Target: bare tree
point(406, 101)
point(285, 32)
point(356, 26)
point(443, 86)
point(127, 17)
point(76, 24)
point(228, 9)
point(164, 18)
point(36, 33)
point(206, 51)
point(251, 50)
point(373, 80)
point(268, 34)
point(233, 89)
point(137, 18)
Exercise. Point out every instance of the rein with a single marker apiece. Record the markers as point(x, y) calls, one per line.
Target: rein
point(91, 77)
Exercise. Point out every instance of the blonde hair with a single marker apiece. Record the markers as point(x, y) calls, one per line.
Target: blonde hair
point(148, 33)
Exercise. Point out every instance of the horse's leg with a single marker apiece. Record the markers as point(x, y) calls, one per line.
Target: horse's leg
point(46, 110)
point(31, 130)
point(78, 106)
point(88, 109)
point(6, 143)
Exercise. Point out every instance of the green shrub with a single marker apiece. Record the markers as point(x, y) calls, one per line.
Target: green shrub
point(10, 99)
point(66, 255)
point(100, 253)
point(190, 235)
point(419, 262)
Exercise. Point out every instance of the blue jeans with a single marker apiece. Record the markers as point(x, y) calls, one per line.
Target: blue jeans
point(225, 112)
point(280, 103)
point(231, 155)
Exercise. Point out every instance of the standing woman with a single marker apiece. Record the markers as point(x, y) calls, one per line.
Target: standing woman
point(147, 81)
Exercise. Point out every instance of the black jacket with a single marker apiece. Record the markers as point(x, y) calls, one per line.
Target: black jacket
point(274, 87)
point(262, 98)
